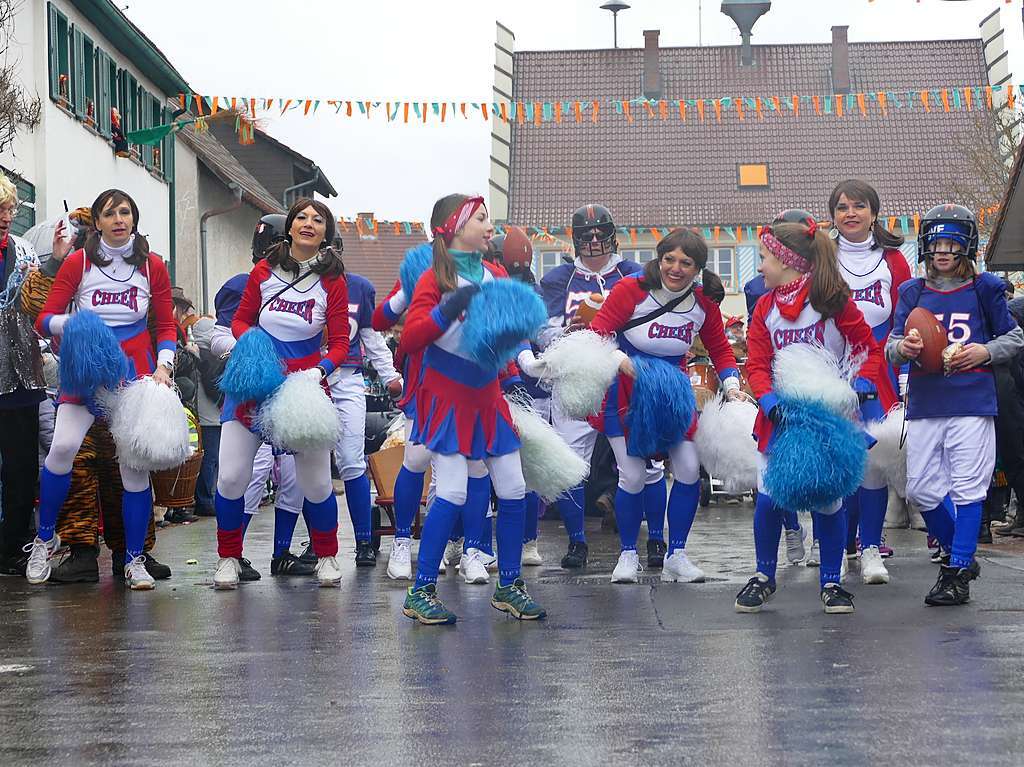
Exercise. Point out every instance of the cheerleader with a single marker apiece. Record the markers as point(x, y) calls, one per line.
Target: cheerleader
point(460, 412)
point(660, 314)
point(874, 268)
point(950, 416)
point(348, 391)
point(116, 276)
point(295, 294)
point(807, 302)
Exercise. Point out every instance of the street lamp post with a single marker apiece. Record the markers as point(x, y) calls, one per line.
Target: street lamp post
point(615, 6)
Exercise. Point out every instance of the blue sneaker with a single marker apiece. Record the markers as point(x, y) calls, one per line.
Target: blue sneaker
point(517, 602)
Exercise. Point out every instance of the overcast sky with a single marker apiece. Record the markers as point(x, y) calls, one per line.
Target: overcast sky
point(443, 51)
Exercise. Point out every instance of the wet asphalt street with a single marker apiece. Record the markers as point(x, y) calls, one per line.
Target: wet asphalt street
point(282, 672)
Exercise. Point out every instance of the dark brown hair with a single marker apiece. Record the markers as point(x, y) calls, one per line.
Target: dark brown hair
point(327, 262)
point(861, 191)
point(686, 240)
point(140, 248)
point(829, 291)
point(444, 265)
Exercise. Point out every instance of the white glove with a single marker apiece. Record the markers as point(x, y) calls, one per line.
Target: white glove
point(56, 326)
point(531, 364)
point(732, 383)
point(313, 374)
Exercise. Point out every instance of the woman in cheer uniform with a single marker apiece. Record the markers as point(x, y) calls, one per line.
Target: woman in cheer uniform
point(116, 276)
point(660, 314)
point(808, 302)
point(295, 294)
point(950, 415)
point(460, 413)
point(874, 268)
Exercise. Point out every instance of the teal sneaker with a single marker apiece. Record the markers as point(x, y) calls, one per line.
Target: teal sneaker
point(424, 605)
point(515, 600)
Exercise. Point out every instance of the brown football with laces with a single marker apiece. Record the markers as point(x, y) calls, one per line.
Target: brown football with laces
point(934, 335)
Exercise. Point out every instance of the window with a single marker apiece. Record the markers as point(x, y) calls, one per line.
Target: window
point(640, 256)
point(25, 218)
point(83, 83)
point(752, 176)
point(721, 262)
point(60, 56)
point(548, 260)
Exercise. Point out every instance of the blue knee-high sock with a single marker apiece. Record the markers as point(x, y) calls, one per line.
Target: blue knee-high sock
point(487, 536)
point(437, 527)
point(940, 526)
point(284, 529)
point(408, 492)
point(322, 523)
point(814, 526)
point(767, 529)
point(655, 495)
point(832, 537)
point(851, 507)
point(510, 525)
point(629, 512)
point(53, 491)
point(136, 509)
point(682, 508)
point(357, 496)
point(230, 523)
point(790, 520)
point(458, 530)
point(246, 519)
point(533, 509)
point(476, 531)
point(965, 534)
point(872, 515)
point(571, 507)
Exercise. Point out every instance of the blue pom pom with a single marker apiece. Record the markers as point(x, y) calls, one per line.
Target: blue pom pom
point(254, 369)
point(815, 457)
point(90, 356)
point(661, 409)
point(500, 317)
point(417, 260)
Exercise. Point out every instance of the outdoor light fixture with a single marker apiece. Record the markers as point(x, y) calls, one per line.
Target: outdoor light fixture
point(615, 6)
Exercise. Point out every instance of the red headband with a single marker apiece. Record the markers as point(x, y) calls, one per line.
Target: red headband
point(458, 219)
point(786, 255)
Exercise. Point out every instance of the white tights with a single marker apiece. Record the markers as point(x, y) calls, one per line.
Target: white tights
point(238, 448)
point(633, 470)
point(69, 429)
point(452, 473)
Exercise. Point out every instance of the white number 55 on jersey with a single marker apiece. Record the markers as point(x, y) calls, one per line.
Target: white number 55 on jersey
point(959, 329)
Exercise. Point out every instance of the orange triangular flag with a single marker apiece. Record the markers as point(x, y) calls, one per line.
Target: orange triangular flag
point(944, 95)
point(682, 110)
point(537, 112)
point(700, 109)
point(988, 96)
point(739, 108)
point(520, 113)
point(862, 105)
point(924, 100)
point(577, 111)
point(839, 105)
point(405, 112)
point(596, 105)
point(969, 97)
point(625, 108)
point(1009, 95)
point(558, 112)
point(718, 109)
point(817, 104)
point(796, 106)
point(883, 102)
point(504, 111)
point(663, 109)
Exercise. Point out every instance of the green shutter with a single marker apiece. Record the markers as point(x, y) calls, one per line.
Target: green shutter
point(78, 72)
point(167, 161)
point(146, 113)
point(103, 92)
point(54, 51)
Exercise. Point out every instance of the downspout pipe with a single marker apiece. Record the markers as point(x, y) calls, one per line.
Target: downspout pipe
point(311, 183)
point(202, 238)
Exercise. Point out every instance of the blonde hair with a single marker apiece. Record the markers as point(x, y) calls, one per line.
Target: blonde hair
point(8, 192)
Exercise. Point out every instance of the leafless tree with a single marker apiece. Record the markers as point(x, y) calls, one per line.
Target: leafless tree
point(19, 108)
point(989, 149)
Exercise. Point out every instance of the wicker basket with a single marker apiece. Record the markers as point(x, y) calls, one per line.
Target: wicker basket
point(176, 488)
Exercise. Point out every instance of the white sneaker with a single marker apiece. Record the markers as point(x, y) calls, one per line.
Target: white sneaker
point(795, 550)
point(531, 557)
point(872, 568)
point(814, 558)
point(843, 569)
point(679, 569)
point(490, 561)
point(137, 577)
point(627, 569)
point(472, 567)
point(452, 553)
point(442, 567)
point(400, 560)
point(226, 575)
point(40, 553)
point(327, 572)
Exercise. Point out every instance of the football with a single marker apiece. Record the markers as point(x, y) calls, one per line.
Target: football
point(934, 335)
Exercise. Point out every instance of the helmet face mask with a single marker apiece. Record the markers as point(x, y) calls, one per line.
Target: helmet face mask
point(593, 232)
point(948, 224)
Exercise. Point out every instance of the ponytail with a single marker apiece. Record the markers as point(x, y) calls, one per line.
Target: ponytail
point(884, 238)
point(829, 291)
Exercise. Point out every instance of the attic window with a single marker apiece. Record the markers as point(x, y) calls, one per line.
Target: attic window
point(752, 176)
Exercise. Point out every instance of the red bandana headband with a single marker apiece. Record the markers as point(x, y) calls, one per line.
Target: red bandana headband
point(458, 219)
point(786, 255)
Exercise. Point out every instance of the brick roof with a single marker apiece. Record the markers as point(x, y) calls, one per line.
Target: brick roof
point(667, 172)
point(378, 256)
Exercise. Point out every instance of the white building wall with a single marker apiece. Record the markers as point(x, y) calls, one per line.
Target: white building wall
point(186, 221)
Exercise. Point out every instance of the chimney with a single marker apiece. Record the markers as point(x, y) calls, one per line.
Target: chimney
point(652, 78)
point(840, 60)
point(745, 14)
point(366, 216)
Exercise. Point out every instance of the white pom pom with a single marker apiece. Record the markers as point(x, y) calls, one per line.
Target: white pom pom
point(726, 444)
point(149, 426)
point(550, 467)
point(580, 367)
point(299, 417)
point(888, 455)
point(813, 373)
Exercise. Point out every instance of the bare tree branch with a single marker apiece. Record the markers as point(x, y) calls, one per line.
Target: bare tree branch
point(19, 109)
point(988, 149)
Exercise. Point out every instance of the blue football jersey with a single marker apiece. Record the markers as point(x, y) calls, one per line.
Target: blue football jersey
point(361, 299)
point(565, 287)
